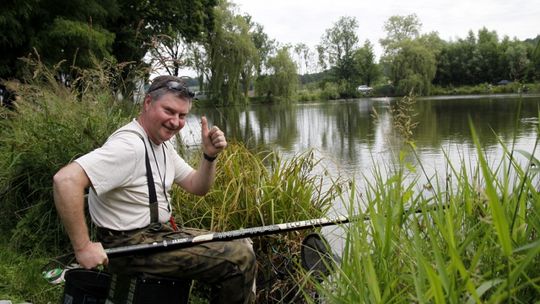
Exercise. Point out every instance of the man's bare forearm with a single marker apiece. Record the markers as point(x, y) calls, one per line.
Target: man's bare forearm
point(68, 188)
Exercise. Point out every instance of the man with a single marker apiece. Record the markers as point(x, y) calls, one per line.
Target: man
point(135, 168)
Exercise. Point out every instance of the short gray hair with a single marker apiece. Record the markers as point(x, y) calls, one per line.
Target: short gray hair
point(164, 84)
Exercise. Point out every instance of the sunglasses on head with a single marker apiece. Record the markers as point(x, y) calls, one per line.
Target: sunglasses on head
point(174, 86)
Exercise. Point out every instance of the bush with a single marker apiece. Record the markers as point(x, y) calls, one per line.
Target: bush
point(263, 189)
point(51, 125)
point(330, 91)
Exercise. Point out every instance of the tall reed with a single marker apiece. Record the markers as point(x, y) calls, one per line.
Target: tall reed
point(51, 125)
point(254, 189)
point(471, 237)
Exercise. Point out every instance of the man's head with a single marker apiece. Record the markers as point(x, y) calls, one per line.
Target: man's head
point(162, 85)
point(166, 105)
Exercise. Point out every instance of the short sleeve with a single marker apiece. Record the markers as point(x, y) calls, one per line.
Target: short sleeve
point(112, 165)
point(181, 168)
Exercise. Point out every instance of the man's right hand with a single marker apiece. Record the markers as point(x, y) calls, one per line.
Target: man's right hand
point(91, 255)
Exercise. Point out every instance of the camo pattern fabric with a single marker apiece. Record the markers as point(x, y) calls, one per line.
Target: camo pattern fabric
point(229, 267)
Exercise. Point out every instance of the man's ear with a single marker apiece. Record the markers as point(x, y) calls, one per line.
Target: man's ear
point(146, 103)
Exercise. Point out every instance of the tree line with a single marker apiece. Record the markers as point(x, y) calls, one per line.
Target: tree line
point(234, 57)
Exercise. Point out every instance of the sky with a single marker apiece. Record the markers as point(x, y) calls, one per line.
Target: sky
point(295, 21)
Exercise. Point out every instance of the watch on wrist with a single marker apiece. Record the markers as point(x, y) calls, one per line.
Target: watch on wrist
point(209, 158)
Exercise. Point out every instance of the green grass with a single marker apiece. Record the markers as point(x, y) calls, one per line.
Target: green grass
point(264, 189)
point(472, 239)
point(21, 279)
point(51, 126)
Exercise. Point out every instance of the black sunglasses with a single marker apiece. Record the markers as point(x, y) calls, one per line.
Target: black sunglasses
point(174, 86)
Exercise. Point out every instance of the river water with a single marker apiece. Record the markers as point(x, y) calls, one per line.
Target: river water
point(355, 136)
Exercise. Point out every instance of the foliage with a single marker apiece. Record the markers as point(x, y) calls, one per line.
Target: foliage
point(409, 59)
point(282, 80)
point(366, 67)
point(483, 58)
point(51, 125)
point(467, 237)
point(263, 189)
point(398, 29)
point(413, 68)
point(336, 51)
point(263, 44)
point(77, 31)
point(230, 48)
point(486, 88)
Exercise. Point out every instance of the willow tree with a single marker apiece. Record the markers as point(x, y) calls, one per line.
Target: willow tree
point(413, 68)
point(282, 78)
point(230, 48)
point(409, 59)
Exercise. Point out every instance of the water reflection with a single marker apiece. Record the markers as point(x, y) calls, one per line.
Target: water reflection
point(353, 140)
point(353, 137)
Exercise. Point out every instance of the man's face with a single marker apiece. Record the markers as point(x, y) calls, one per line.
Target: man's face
point(163, 118)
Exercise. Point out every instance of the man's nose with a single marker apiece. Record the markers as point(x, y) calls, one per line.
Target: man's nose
point(177, 122)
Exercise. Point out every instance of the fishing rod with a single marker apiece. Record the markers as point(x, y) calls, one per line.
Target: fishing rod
point(54, 275)
point(244, 233)
point(224, 236)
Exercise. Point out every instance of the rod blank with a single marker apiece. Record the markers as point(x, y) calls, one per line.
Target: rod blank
point(223, 236)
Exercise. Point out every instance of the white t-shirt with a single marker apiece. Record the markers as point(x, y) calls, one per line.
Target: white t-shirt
point(118, 198)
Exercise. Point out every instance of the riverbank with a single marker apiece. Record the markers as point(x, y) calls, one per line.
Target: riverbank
point(470, 235)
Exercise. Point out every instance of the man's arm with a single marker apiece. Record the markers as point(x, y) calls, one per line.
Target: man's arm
point(68, 187)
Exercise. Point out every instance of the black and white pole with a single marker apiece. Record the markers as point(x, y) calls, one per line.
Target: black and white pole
point(223, 236)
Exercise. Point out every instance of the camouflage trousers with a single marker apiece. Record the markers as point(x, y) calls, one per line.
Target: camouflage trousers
point(229, 267)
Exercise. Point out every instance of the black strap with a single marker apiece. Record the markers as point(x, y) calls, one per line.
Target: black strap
point(152, 197)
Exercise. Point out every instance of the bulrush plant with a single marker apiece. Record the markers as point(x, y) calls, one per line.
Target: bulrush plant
point(254, 189)
point(472, 237)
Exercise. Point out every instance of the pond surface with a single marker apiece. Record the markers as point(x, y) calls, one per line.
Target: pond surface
point(354, 137)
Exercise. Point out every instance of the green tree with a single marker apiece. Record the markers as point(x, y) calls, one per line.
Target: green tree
point(367, 68)
point(230, 48)
point(78, 31)
point(336, 51)
point(71, 30)
point(534, 55)
point(413, 68)
point(488, 59)
point(263, 44)
point(399, 28)
point(282, 80)
point(75, 41)
point(409, 59)
point(263, 47)
point(139, 21)
point(456, 62)
point(518, 62)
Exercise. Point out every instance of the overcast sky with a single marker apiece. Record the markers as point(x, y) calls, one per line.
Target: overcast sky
point(294, 21)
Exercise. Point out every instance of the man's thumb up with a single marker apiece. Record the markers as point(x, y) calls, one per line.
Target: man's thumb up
point(213, 139)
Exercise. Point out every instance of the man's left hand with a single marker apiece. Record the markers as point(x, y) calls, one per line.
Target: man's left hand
point(213, 139)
